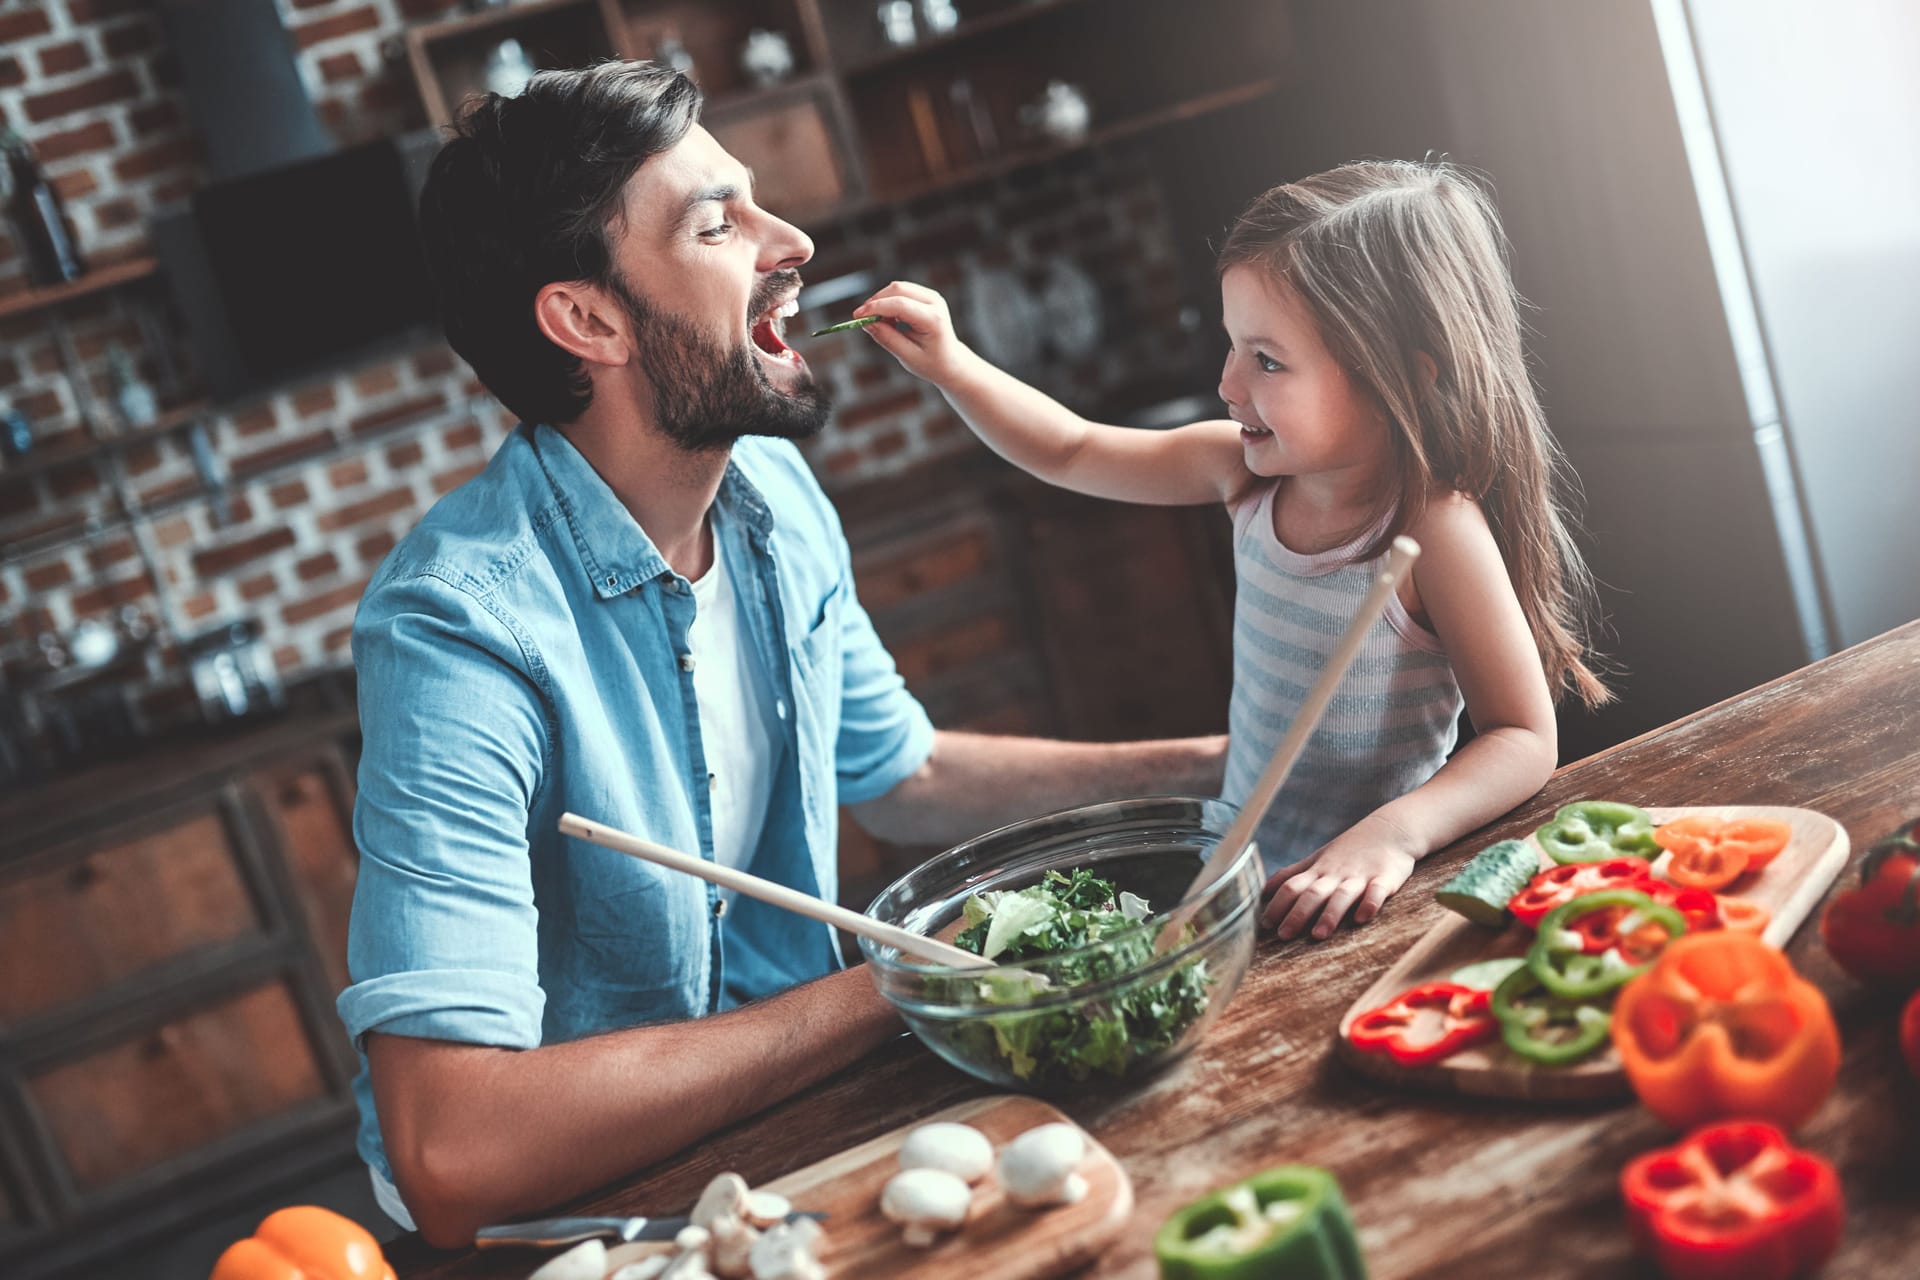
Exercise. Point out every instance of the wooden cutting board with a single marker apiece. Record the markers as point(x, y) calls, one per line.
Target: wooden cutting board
point(1789, 887)
point(1000, 1240)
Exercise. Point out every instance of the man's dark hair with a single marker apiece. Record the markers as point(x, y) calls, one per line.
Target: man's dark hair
point(521, 196)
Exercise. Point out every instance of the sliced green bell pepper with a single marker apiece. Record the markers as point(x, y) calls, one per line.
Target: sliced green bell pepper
point(1595, 830)
point(1558, 956)
point(1291, 1221)
point(1542, 1027)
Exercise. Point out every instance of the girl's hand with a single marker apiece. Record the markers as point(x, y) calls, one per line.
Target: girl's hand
point(1364, 864)
point(917, 330)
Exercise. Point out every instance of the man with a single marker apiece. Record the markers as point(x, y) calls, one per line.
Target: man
point(642, 611)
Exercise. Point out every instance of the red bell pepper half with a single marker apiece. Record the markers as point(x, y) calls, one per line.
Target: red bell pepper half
point(1734, 1201)
point(1421, 1026)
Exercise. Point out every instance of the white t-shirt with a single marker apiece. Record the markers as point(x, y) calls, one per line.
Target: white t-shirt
point(738, 727)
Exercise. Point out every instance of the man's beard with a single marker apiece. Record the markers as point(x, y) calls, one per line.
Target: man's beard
point(705, 395)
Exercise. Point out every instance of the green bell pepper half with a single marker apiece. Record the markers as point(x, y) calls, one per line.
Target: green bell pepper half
point(1291, 1221)
point(1541, 1027)
point(1595, 830)
point(1558, 959)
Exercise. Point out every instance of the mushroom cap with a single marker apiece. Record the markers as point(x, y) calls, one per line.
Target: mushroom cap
point(926, 1197)
point(788, 1252)
point(725, 1197)
point(764, 1208)
point(959, 1149)
point(1038, 1165)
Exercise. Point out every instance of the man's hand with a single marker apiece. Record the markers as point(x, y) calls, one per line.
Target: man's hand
point(1364, 865)
point(478, 1135)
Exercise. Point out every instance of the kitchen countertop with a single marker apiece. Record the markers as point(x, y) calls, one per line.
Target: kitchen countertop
point(1442, 1185)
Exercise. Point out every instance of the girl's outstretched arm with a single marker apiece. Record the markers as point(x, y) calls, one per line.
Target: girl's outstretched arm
point(1465, 591)
point(1187, 466)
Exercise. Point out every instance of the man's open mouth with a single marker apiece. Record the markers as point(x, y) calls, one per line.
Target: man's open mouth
point(769, 331)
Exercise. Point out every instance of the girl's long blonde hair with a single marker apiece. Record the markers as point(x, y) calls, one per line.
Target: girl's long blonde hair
point(1396, 259)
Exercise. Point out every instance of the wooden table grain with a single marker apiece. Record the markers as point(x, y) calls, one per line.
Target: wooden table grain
point(1446, 1186)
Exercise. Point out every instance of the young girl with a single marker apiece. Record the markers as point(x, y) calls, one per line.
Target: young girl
point(1376, 386)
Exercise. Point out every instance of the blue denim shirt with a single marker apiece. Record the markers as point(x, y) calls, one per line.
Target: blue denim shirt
point(523, 653)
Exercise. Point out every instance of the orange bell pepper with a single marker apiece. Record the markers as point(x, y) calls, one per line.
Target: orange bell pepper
point(1743, 915)
point(1759, 839)
point(1721, 1026)
point(304, 1243)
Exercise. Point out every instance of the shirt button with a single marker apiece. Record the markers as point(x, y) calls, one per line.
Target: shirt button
point(780, 707)
point(686, 662)
point(673, 585)
point(719, 908)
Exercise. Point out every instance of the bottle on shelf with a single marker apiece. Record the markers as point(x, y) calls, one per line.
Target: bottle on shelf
point(39, 219)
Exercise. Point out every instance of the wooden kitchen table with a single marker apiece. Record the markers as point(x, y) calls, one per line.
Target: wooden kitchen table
point(1447, 1186)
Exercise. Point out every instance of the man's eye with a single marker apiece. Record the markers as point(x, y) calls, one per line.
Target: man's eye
point(1267, 363)
point(714, 233)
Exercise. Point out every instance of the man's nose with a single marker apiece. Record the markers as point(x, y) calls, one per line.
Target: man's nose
point(785, 246)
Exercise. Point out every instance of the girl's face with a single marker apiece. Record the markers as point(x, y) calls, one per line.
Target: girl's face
point(1299, 411)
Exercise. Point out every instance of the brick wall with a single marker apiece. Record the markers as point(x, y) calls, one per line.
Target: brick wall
point(328, 474)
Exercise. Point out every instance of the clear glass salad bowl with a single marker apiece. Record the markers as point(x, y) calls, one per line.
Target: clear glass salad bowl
point(1104, 1013)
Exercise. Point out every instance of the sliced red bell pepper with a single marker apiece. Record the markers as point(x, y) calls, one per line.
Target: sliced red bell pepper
point(1734, 1201)
point(1562, 884)
point(1421, 1026)
point(1700, 907)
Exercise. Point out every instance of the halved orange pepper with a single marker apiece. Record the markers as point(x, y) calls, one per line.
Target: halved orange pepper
point(304, 1242)
point(1722, 1026)
point(1711, 852)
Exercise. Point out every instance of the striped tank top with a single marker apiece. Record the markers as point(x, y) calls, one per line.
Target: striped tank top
point(1392, 721)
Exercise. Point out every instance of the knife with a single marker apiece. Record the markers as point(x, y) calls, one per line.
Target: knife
point(549, 1233)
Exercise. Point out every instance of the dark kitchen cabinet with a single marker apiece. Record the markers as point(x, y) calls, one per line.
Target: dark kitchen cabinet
point(172, 937)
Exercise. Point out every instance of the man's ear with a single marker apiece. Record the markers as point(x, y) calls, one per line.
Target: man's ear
point(581, 319)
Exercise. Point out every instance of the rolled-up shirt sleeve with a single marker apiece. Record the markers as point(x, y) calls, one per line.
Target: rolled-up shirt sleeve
point(443, 942)
point(884, 731)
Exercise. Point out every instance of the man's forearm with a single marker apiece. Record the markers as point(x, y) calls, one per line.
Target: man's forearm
point(478, 1135)
point(974, 782)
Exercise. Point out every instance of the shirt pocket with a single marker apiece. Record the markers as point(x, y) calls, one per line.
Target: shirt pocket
point(819, 645)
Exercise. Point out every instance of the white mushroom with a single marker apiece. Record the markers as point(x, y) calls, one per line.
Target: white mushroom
point(765, 1208)
point(731, 1247)
point(925, 1202)
point(582, 1262)
point(789, 1251)
point(691, 1238)
point(958, 1149)
point(1038, 1167)
point(725, 1197)
point(690, 1265)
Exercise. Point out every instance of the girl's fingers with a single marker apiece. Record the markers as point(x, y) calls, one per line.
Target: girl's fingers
point(1285, 894)
point(1306, 906)
point(1378, 891)
point(918, 316)
point(1288, 872)
point(1344, 895)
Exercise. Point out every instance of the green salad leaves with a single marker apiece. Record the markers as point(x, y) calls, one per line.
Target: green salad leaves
point(1074, 1042)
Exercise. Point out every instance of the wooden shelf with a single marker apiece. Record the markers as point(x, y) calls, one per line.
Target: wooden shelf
point(966, 30)
point(1008, 161)
point(46, 459)
point(98, 280)
point(505, 15)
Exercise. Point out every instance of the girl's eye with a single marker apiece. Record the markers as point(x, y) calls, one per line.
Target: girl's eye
point(1267, 363)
